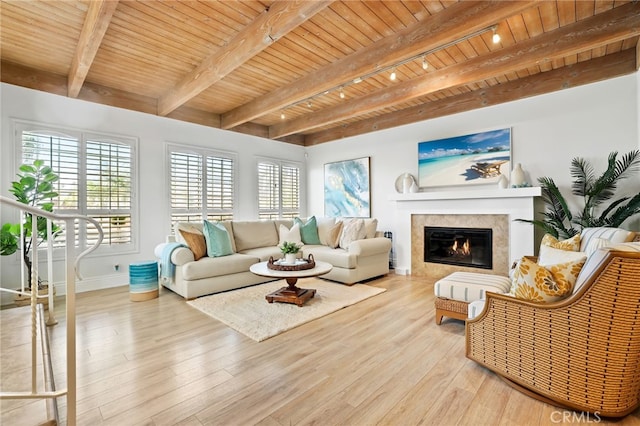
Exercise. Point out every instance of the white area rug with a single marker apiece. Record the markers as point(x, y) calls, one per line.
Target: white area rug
point(247, 311)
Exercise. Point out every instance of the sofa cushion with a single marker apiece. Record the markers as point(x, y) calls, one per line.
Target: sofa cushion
point(614, 235)
point(254, 233)
point(352, 230)
point(308, 230)
point(552, 256)
point(195, 241)
point(208, 267)
point(325, 224)
point(186, 226)
point(289, 235)
point(339, 258)
point(264, 253)
point(217, 238)
point(598, 258)
point(333, 235)
point(571, 244)
point(370, 227)
point(551, 283)
point(596, 244)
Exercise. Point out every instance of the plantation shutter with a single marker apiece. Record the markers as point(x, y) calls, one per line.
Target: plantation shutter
point(219, 188)
point(290, 179)
point(95, 180)
point(278, 190)
point(268, 190)
point(108, 174)
point(202, 185)
point(186, 187)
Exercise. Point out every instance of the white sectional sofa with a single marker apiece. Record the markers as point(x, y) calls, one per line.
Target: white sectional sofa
point(365, 256)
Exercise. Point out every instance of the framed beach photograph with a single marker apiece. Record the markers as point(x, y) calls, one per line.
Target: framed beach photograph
point(478, 158)
point(346, 188)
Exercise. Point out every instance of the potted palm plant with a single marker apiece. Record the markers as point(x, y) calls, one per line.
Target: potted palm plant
point(34, 187)
point(559, 221)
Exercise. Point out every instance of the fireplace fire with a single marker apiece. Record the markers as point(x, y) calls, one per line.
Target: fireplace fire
point(458, 246)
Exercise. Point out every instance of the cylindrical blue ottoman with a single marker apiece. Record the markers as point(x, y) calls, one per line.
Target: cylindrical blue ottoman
point(143, 281)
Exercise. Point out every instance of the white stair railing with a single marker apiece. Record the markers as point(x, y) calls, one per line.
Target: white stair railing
point(71, 271)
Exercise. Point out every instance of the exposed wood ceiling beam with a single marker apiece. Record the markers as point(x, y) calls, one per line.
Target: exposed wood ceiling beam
point(277, 21)
point(615, 25)
point(95, 26)
point(591, 71)
point(436, 31)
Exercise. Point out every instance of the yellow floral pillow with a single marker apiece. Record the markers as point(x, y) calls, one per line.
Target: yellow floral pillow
point(545, 283)
point(570, 244)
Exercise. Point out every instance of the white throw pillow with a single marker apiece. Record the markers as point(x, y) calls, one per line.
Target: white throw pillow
point(325, 224)
point(290, 235)
point(351, 231)
point(370, 227)
point(553, 256)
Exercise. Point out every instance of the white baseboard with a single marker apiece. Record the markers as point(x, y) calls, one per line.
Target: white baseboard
point(96, 283)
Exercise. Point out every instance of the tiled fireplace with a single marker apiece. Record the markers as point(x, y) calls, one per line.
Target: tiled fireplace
point(493, 209)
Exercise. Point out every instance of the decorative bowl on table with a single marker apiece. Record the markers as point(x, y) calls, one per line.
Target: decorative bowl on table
point(299, 265)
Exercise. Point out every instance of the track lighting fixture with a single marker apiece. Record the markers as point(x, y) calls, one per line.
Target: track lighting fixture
point(393, 76)
point(496, 36)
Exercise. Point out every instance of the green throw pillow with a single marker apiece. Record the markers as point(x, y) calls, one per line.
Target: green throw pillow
point(217, 238)
point(308, 230)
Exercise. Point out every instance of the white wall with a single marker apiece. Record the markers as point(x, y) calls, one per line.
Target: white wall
point(547, 132)
point(588, 121)
point(153, 133)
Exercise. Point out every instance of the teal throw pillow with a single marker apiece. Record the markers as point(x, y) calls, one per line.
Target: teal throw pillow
point(217, 239)
point(308, 230)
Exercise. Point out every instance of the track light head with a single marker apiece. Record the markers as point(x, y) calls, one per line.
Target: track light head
point(496, 36)
point(393, 75)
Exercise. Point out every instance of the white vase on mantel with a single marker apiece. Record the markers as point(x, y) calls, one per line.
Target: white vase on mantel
point(407, 180)
point(517, 176)
point(503, 182)
point(414, 187)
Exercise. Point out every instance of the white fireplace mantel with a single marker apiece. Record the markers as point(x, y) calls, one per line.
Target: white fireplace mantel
point(517, 203)
point(474, 194)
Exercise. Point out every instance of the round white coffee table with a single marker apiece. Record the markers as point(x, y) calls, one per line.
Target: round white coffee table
point(291, 293)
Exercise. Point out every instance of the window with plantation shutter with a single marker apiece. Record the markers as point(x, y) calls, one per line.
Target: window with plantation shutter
point(202, 184)
point(95, 179)
point(278, 190)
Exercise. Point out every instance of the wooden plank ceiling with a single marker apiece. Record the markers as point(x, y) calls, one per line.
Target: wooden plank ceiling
point(309, 72)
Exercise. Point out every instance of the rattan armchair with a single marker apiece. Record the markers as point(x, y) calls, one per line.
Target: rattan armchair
point(581, 353)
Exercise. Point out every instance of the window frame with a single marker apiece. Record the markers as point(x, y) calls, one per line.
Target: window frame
point(83, 136)
point(204, 153)
point(280, 164)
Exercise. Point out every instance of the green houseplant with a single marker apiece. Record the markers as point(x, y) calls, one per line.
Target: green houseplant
point(595, 191)
point(290, 250)
point(34, 187)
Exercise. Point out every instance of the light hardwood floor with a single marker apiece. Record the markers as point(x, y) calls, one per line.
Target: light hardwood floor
point(381, 361)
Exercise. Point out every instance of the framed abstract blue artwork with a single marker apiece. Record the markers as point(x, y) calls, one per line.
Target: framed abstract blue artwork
point(346, 188)
point(478, 158)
